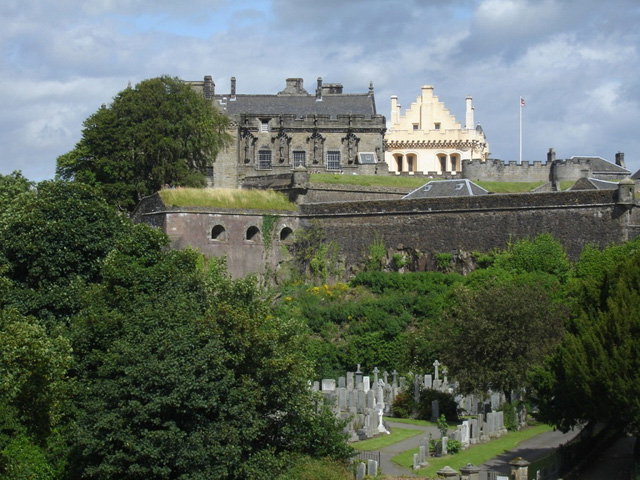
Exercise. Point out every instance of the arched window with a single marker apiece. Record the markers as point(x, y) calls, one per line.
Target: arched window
point(253, 233)
point(443, 162)
point(398, 158)
point(219, 233)
point(286, 234)
point(411, 163)
point(455, 162)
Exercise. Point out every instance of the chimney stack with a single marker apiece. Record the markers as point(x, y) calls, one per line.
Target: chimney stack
point(319, 90)
point(209, 89)
point(620, 159)
point(233, 89)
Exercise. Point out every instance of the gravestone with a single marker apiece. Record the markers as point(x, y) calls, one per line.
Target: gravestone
point(362, 471)
point(366, 384)
point(416, 461)
point(428, 381)
point(342, 382)
point(350, 381)
point(435, 410)
point(372, 468)
point(328, 385)
point(445, 443)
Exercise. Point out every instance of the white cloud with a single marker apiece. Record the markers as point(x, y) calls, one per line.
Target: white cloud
point(575, 61)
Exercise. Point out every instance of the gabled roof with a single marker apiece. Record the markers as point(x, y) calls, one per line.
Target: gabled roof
point(299, 105)
point(447, 188)
point(594, 184)
point(599, 164)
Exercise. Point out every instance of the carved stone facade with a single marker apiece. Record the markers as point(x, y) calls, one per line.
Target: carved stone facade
point(428, 140)
point(329, 131)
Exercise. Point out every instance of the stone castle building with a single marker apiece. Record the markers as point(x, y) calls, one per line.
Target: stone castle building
point(429, 140)
point(326, 131)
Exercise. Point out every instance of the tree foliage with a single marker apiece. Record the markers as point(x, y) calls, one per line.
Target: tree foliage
point(159, 132)
point(186, 374)
point(53, 241)
point(11, 186)
point(498, 330)
point(595, 374)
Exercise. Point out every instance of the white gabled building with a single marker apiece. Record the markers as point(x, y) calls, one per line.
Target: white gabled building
point(428, 139)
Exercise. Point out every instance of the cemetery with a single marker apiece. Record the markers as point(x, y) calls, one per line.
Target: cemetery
point(363, 400)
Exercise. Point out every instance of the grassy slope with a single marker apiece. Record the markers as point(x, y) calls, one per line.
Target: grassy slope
point(381, 441)
point(227, 198)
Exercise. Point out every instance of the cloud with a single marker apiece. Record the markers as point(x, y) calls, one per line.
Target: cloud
point(575, 61)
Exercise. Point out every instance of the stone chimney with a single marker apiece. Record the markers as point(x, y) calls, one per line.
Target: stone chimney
point(294, 87)
point(319, 90)
point(233, 89)
point(395, 110)
point(209, 89)
point(620, 159)
point(469, 120)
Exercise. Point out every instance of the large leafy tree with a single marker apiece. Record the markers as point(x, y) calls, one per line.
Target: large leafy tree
point(497, 329)
point(54, 238)
point(186, 374)
point(11, 186)
point(595, 374)
point(159, 132)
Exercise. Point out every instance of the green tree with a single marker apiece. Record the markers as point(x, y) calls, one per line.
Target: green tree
point(186, 374)
point(53, 242)
point(159, 132)
point(34, 388)
point(595, 373)
point(500, 328)
point(11, 186)
point(542, 254)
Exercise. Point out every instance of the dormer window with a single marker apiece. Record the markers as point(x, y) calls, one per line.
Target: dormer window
point(264, 125)
point(436, 126)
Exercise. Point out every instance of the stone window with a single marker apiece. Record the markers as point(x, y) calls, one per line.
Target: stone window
point(299, 159)
point(209, 171)
point(264, 159)
point(264, 125)
point(415, 127)
point(443, 162)
point(286, 234)
point(436, 126)
point(333, 160)
point(219, 233)
point(253, 233)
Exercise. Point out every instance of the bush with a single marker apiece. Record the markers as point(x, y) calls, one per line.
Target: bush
point(447, 405)
point(403, 406)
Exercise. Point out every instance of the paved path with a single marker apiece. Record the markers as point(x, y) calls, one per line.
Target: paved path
point(387, 467)
point(530, 449)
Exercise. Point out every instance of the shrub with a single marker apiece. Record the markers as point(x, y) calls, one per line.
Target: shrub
point(446, 403)
point(403, 406)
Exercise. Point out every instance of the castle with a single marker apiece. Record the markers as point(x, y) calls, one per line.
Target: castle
point(279, 139)
point(327, 131)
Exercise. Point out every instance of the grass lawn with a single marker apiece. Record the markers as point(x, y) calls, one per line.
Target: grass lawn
point(411, 183)
point(376, 443)
point(227, 198)
point(476, 454)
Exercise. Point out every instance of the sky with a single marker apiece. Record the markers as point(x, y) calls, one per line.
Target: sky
point(575, 63)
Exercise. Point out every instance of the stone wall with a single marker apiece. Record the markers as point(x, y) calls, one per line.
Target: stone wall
point(410, 227)
point(474, 223)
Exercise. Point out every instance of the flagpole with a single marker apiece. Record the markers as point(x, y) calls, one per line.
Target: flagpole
point(520, 106)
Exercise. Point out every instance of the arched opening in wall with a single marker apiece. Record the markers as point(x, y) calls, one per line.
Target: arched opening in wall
point(253, 234)
point(286, 234)
point(398, 159)
point(443, 162)
point(455, 162)
point(412, 161)
point(219, 233)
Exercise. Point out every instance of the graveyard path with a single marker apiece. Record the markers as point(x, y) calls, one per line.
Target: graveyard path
point(391, 469)
point(614, 462)
point(530, 449)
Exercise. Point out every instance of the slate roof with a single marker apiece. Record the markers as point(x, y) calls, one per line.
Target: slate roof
point(447, 188)
point(594, 184)
point(299, 105)
point(599, 164)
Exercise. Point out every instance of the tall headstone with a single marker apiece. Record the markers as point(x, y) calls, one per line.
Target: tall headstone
point(445, 444)
point(350, 381)
point(362, 471)
point(436, 364)
point(435, 410)
point(366, 383)
point(375, 375)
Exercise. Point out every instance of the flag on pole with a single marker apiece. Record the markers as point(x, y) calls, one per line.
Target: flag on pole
point(521, 102)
